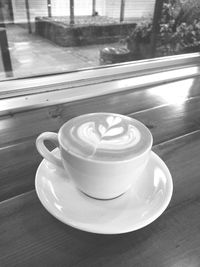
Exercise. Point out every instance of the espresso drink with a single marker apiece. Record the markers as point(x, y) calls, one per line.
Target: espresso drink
point(105, 137)
point(104, 154)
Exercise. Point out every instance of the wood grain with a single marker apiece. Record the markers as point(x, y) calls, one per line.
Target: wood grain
point(182, 156)
point(18, 167)
point(171, 121)
point(19, 126)
point(31, 236)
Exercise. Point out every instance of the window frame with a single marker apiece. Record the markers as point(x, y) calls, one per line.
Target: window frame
point(36, 92)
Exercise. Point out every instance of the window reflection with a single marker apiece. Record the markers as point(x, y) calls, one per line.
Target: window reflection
point(52, 190)
point(159, 176)
point(59, 207)
point(176, 93)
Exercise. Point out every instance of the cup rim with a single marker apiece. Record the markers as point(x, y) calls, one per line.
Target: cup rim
point(148, 148)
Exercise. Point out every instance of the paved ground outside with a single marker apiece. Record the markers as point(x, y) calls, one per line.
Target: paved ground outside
point(33, 55)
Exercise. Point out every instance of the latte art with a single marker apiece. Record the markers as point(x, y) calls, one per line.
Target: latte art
point(111, 137)
point(106, 136)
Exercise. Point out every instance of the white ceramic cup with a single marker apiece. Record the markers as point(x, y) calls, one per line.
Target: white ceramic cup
point(115, 162)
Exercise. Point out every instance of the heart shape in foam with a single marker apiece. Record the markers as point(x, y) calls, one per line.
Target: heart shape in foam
point(110, 131)
point(111, 120)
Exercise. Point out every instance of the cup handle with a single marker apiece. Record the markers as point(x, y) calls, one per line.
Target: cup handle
point(43, 150)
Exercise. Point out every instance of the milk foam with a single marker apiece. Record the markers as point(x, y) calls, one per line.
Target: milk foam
point(111, 137)
point(105, 136)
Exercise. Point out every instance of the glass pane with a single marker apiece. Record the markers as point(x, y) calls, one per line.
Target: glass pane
point(39, 37)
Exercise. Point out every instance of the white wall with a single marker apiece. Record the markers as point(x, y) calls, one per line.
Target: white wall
point(81, 7)
point(133, 8)
point(111, 8)
point(36, 7)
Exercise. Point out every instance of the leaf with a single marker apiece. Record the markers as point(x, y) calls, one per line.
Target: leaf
point(114, 131)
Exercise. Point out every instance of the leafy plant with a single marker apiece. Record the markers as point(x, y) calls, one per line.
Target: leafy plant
point(178, 33)
point(142, 32)
point(189, 10)
point(179, 29)
point(187, 35)
point(138, 41)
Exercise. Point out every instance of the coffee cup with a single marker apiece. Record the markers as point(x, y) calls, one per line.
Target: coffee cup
point(104, 154)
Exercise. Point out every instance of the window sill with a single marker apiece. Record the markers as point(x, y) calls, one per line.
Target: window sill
point(39, 92)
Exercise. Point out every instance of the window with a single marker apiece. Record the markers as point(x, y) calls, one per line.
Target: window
point(49, 45)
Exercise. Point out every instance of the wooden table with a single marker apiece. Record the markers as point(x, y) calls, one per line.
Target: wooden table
point(30, 236)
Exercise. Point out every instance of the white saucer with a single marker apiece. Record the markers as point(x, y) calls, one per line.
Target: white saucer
point(138, 207)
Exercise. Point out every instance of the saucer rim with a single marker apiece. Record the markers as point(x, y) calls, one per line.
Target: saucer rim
point(138, 226)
